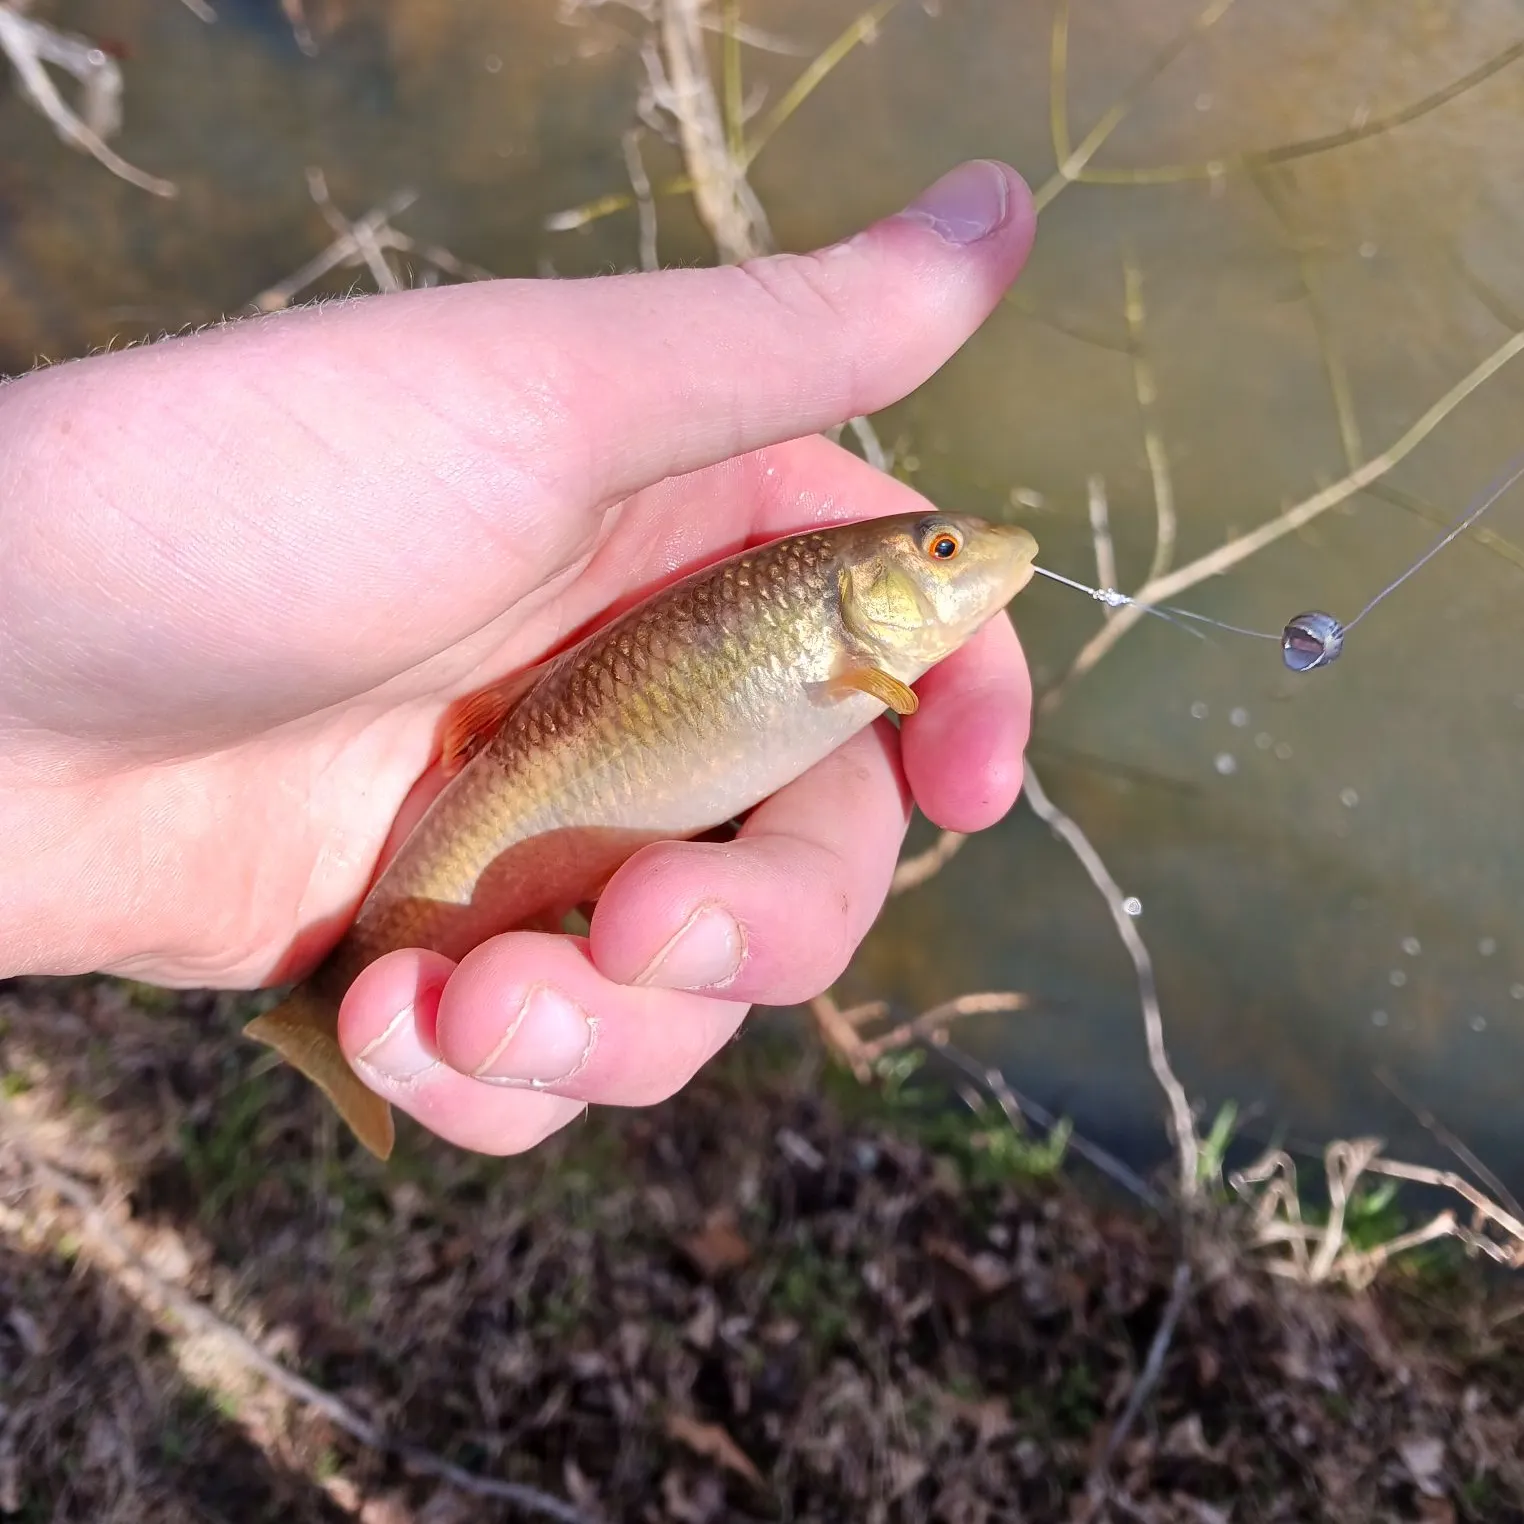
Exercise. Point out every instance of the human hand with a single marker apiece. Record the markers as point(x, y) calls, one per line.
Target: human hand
point(243, 574)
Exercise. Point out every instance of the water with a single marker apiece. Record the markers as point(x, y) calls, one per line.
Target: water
point(1329, 867)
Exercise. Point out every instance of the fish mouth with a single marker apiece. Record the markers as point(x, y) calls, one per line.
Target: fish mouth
point(1021, 548)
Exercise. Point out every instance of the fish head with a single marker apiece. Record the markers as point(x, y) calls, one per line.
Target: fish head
point(915, 587)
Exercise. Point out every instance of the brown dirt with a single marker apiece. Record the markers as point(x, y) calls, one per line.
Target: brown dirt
point(773, 1298)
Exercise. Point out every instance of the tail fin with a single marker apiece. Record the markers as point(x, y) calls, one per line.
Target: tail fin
point(304, 1030)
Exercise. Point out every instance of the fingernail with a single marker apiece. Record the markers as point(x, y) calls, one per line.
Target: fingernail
point(397, 1054)
point(548, 1041)
point(966, 204)
point(704, 953)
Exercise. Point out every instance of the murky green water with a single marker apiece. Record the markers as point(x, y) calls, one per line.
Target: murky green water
point(1330, 867)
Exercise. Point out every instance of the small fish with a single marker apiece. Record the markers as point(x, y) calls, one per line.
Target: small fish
point(670, 720)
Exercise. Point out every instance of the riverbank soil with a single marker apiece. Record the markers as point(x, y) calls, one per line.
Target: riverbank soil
point(777, 1297)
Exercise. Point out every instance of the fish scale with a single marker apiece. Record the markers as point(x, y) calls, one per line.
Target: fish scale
point(678, 715)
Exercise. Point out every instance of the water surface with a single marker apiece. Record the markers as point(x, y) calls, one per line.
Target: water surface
point(1330, 867)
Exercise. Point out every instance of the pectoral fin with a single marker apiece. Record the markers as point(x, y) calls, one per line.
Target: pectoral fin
point(472, 721)
point(303, 1029)
point(877, 683)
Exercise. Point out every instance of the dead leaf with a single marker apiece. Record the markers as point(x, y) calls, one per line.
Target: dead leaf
point(713, 1443)
point(1187, 1441)
point(717, 1246)
point(905, 1472)
point(988, 1272)
point(1424, 1456)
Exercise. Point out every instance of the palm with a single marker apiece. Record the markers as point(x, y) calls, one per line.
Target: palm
point(302, 810)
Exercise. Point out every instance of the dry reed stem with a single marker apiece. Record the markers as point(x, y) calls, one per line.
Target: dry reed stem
point(863, 29)
point(200, 10)
point(723, 196)
point(726, 203)
point(171, 1302)
point(646, 207)
point(1182, 1125)
point(1316, 1255)
point(1333, 362)
point(912, 872)
point(365, 241)
point(1144, 385)
point(734, 92)
point(1488, 539)
point(31, 46)
point(1211, 169)
point(1072, 161)
point(1225, 557)
point(1100, 535)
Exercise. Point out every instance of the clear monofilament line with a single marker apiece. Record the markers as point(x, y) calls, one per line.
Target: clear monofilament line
point(1115, 600)
point(1489, 497)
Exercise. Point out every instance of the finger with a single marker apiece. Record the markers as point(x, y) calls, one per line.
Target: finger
point(963, 748)
point(388, 1029)
point(530, 1012)
point(497, 1052)
point(775, 915)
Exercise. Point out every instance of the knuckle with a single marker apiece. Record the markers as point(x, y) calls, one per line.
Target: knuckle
point(804, 285)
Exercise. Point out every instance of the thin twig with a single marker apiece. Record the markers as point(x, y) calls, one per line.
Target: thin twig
point(1447, 1139)
point(1100, 535)
point(1333, 361)
point(1071, 164)
point(1488, 539)
point(1148, 413)
point(1016, 1106)
point(641, 185)
point(198, 1316)
point(915, 871)
point(1148, 1378)
point(1211, 169)
point(364, 241)
point(31, 46)
point(863, 30)
point(929, 1024)
point(1181, 1123)
point(1225, 557)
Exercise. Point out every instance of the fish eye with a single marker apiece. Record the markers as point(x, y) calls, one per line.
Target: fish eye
point(940, 541)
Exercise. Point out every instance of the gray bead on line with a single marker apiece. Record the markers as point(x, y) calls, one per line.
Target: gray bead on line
point(1311, 640)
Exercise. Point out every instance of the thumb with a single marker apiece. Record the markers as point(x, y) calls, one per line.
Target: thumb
point(403, 468)
point(633, 378)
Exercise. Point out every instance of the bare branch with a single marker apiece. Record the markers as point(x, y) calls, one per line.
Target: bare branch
point(31, 46)
point(1181, 1123)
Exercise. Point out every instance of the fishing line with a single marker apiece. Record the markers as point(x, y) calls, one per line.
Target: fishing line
point(1314, 639)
